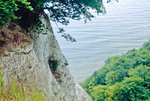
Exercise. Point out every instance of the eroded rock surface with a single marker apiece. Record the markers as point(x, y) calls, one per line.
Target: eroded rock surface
point(29, 65)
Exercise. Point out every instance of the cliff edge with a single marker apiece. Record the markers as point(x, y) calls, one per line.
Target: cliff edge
point(38, 61)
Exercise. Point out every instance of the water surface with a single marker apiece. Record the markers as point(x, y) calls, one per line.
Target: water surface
point(125, 26)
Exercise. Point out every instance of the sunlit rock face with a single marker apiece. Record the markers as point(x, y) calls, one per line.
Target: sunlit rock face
point(39, 62)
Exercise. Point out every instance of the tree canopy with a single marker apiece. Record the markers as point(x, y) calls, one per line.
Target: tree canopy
point(122, 78)
point(27, 12)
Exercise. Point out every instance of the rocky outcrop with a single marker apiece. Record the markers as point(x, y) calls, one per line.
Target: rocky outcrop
point(41, 63)
point(82, 95)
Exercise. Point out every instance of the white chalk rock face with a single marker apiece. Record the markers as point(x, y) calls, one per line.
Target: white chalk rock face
point(82, 95)
point(42, 64)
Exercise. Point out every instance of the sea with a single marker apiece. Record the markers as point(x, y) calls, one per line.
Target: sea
point(126, 25)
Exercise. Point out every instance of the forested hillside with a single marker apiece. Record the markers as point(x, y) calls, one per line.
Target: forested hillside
point(122, 78)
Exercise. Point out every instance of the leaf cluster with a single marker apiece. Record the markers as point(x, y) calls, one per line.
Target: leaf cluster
point(63, 10)
point(8, 7)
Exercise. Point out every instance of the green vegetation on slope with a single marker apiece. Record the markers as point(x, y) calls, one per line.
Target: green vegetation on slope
point(122, 78)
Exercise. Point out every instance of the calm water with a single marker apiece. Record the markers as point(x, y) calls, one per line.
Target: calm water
point(125, 26)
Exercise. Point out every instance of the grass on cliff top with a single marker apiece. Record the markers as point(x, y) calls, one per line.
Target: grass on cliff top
point(16, 92)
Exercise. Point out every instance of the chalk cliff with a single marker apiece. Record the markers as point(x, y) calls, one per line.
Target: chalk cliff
point(38, 62)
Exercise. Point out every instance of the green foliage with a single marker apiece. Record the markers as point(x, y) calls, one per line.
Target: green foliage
point(60, 10)
point(134, 89)
point(139, 71)
point(131, 89)
point(53, 64)
point(97, 92)
point(89, 84)
point(146, 45)
point(147, 79)
point(110, 77)
point(112, 59)
point(27, 13)
point(114, 93)
point(115, 76)
point(8, 7)
point(122, 78)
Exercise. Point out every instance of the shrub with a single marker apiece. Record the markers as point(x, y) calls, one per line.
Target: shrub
point(53, 64)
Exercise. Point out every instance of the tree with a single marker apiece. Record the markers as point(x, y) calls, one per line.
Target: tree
point(115, 93)
point(140, 71)
point(60, 10)
point(98, 92)
point(147, 78)
point(126, 77)
point(116, 76)
point(130, 89)
point(134, 89)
